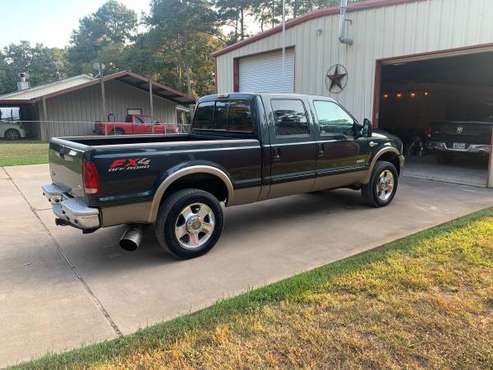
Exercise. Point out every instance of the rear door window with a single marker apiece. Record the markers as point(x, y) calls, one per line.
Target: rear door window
point(290, 117)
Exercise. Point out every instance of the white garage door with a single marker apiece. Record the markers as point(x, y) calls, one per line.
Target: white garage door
point(263, 73)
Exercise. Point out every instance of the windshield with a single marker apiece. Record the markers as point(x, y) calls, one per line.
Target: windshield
point(10, 113)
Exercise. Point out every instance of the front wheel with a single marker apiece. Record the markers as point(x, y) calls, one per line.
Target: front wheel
point(189, 223)
point(381, 189)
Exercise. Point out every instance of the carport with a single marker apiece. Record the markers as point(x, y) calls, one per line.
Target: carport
point(453, 89)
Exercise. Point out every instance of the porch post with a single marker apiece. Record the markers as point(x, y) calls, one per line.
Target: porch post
point(151, 100)
point(44, 123)
point(103, 99)
point(490, 164)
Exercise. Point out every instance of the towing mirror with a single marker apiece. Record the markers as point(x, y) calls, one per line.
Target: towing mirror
point(367, 127)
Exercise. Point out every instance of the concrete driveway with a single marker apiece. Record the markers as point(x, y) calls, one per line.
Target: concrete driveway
point(60, 289)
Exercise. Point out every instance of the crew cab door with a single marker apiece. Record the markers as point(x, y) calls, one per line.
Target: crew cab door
point(342, 156)
point(293, 147)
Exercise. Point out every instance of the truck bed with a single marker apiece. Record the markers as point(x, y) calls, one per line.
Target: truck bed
point(95, 141)
point(121, 182)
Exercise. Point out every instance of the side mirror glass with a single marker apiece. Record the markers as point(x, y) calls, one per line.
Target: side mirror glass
point(367, 127)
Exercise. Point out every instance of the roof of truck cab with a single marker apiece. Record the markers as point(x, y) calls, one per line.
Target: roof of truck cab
point(262, 94)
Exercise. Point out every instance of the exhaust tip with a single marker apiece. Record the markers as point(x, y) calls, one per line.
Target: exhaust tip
point(131, 238)
point(128, 245)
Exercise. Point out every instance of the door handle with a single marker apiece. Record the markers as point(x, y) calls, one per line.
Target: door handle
point(276, 154)
point(321, 150)
point(372, 144)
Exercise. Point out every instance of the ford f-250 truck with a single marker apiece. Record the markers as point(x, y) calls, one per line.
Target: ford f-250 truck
point(242, 148)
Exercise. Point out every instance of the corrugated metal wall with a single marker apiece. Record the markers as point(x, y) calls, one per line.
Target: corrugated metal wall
point(385, 32)
point(75, 113)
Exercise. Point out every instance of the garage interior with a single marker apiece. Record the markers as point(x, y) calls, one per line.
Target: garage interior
point(415, 94)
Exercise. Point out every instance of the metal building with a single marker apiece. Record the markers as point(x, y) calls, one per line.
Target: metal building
point(401, 63)
point(71, 106)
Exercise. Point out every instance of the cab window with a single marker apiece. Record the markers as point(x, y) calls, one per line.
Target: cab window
point(290, 117)
point(232, 115)
point(332, 119)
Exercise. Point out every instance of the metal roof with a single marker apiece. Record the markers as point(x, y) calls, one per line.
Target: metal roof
point(82, 81)
point(42, 90)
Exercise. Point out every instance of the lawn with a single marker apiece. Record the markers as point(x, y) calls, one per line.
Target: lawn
point(23, 152)
point(422, 302)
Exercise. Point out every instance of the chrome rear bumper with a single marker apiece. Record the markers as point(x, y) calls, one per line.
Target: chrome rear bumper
point(71, 210)
point(472, 148)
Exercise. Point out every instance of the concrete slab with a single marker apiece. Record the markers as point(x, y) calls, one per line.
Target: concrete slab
point(29, 180)
point(262, 243)
point(3, 174)
point(462, 170)
point(43, 307)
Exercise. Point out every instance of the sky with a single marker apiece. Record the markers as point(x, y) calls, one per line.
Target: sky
point(49, 22)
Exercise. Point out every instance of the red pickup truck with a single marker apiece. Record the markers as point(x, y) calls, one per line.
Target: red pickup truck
point(135, 124)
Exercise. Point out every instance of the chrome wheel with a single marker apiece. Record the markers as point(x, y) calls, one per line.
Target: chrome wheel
point(385, 185)
point(194, 225)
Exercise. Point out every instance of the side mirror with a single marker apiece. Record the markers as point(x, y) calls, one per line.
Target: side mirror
point(367, 127)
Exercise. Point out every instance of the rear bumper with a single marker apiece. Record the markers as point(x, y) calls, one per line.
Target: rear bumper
point(471, 148)
point(71, 211)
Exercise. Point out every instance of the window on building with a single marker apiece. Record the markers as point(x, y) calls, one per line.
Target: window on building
point(332, 118)
point(290, 117)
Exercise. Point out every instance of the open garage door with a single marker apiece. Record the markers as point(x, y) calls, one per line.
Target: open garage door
point(263, 72)
point(442, 109)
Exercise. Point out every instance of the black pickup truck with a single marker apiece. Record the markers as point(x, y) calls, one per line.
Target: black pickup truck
point(242, 148)
point(447, 138)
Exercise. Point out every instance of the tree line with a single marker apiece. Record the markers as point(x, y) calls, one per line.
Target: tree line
point(172, 44)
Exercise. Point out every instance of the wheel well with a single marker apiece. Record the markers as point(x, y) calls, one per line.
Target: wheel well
point(203, 181)
point(392, 158)
point(12, 129)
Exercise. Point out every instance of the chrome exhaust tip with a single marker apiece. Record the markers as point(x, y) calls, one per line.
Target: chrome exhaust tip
point(131, 238)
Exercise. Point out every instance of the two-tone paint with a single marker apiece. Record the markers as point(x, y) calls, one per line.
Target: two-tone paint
point(135, 172)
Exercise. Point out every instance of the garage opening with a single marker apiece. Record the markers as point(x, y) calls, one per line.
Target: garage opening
point(263, 72)
point(442, 109)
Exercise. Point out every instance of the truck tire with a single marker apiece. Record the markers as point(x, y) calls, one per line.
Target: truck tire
point(12, 134)
point(381, 189)
point(189, 223)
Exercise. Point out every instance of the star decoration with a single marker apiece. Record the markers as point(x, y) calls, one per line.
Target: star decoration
point(336, 79)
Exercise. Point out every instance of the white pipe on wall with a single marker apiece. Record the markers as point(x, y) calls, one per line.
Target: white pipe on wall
point(342, 24)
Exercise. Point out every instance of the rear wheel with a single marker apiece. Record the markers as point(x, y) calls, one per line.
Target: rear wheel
point(12, 134)
point(189, 223)
point(381, 189)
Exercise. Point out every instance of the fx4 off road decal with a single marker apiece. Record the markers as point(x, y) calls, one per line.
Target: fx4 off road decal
point(130, 164)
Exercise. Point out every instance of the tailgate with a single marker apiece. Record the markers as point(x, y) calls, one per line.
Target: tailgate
point(66, 162)
point(468, 132)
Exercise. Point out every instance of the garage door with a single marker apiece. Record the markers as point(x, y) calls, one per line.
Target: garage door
point(263, 73)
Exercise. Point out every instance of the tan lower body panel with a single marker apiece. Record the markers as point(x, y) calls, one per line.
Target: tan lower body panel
point(340, 180)
point(135, 213)
point(245, 196)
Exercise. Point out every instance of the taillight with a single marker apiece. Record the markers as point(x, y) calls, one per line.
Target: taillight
point(91, 177)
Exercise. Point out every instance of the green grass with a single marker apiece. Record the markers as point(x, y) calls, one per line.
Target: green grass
point(23, 152)
point(423, 301)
